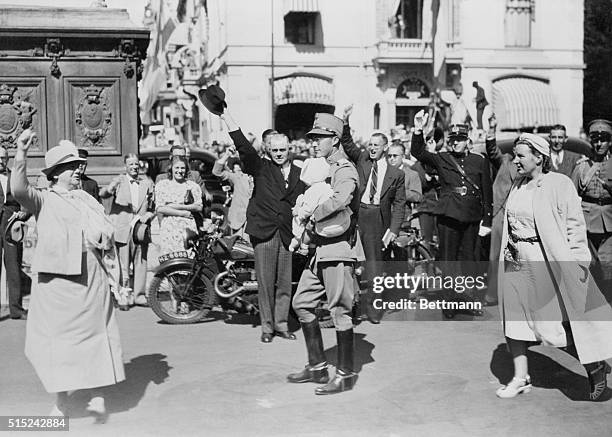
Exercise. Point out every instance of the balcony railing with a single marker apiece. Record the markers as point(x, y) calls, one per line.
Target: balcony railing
point(404, 49)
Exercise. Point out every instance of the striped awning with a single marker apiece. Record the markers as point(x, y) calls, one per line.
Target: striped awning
point(303, 89)
point(301, 6)
point(521, 102)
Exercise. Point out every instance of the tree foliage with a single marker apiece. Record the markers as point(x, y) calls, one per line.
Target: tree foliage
point(598, 59)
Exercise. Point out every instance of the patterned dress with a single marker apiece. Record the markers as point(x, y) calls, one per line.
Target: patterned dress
point(172, 228)
point(531, 310)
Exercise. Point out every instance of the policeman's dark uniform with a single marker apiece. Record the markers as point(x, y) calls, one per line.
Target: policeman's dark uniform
point(465, 199)
point(593, 180)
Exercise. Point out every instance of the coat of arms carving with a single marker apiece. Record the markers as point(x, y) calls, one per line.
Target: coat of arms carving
point(93, 116)
point(15, 115)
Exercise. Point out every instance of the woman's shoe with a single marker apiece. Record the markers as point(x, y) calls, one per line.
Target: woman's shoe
point(97, 409)
point(598, 380)
point(514, 387)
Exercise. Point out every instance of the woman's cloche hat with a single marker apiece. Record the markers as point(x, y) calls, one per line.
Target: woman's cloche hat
point(63, 153)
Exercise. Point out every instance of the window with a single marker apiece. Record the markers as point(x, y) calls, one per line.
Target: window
point(519, 14)
point(406, 20)
point(300, 27)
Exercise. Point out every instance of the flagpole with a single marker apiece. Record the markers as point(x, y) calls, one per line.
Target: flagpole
point(272, 61)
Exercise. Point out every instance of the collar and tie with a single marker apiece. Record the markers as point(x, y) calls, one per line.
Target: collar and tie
point(134, 181)
point(373, 185)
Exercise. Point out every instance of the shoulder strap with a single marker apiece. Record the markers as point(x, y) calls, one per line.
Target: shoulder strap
point(587, 179)
point(462, 171)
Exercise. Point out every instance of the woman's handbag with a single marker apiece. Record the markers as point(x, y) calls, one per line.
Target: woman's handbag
point(189, 197)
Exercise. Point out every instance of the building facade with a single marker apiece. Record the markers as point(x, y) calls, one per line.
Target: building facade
point(280, 61)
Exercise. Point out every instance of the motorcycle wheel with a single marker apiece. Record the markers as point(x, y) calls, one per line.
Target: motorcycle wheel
point(173, 303)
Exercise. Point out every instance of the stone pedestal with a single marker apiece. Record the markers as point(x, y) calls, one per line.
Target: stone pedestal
point(71, 73)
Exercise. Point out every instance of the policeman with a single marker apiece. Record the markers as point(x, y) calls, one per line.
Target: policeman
point(464, 208)
point(593, 180)
point(330, 271)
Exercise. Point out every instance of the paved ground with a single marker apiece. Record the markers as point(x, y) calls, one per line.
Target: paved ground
point(417, 378)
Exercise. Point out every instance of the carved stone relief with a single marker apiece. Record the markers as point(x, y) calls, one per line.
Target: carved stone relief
point(93, 116)
point(17, 110)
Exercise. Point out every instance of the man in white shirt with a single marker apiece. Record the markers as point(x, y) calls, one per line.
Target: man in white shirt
point(563, 161)
point(132, 196)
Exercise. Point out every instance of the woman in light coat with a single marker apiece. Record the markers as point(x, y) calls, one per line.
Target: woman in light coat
point(546, 291)
point(72, 337)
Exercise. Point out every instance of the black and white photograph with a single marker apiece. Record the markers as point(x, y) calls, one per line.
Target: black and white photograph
point(306, 218)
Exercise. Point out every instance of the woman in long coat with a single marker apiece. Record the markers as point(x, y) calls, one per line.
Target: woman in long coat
point(546, 291)
point(72, 337)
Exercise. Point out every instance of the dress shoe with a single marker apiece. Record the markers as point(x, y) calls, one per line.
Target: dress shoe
point(141, 301)
point(317, 374)
point(267, 337)
point(285, 334)
point(22, 316)
point(341, 382)
point(514, 388)
point(97, 409)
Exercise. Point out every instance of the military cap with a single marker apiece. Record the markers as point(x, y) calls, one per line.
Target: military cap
point(83, 153)
point(458, 131)
point(600, 125)
point(327, 124)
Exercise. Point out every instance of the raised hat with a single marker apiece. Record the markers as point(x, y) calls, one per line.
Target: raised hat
point(63, 153)
point(459, 130)
point(15, 230)
point(600, 125)
point(326, 124)
point(213, 99)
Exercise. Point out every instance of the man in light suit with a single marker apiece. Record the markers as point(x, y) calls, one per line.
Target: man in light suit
point(563, 161)
point(132, 197)
point(383, 198)
point(13, 253)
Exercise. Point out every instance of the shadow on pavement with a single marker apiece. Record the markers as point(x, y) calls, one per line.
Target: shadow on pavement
point(545, 373)
point(363, 353)
point(139, 373)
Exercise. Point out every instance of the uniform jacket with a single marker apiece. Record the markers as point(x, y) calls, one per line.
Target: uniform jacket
point(567, 165)
point(560, 224)
point(429, 187)
point(598, 217)
point(345, 184)
point(476, 204)
point(392, 192)
point(270, 207)
point(122, 211)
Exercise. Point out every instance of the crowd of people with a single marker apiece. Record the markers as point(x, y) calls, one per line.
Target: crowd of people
point(541, 215)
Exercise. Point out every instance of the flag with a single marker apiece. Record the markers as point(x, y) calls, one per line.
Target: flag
point(154, 72)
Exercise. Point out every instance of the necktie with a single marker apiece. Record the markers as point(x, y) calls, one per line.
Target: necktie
point(134, 181)
point(374, 181)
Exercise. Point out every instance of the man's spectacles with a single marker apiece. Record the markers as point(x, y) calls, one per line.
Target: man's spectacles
point(278, 150)
point(600, 136)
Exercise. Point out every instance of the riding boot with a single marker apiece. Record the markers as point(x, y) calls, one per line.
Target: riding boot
point(316, 369)
point(345, 377)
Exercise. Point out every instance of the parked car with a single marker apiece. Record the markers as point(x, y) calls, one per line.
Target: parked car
point(157, 161)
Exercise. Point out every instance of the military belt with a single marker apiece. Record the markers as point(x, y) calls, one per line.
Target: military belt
point(600, 201)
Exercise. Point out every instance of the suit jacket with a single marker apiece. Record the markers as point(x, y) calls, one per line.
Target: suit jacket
point(270, 206)
point(122, 211)
point(392, 191)
point(568, 164)
point(91, 187)
point(8, 205)
point(476, 204)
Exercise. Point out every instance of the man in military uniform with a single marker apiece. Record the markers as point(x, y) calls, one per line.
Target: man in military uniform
point(464, 208)
point(593, 180)
point(330, 271)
